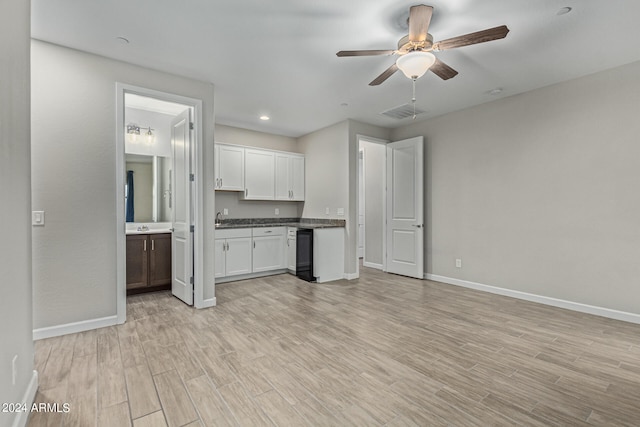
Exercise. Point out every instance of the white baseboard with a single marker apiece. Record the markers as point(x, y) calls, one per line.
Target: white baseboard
point(372, 265)
point(238, 277)
point(351, 276)
point(555, 302)
point(209, 302)
point(29, 396)
point(72, 328)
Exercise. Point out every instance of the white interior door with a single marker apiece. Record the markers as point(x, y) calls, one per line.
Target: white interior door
point(405, 200)
point(182, 237)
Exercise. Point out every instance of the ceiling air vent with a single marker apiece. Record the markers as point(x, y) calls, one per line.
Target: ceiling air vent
point(402, 112)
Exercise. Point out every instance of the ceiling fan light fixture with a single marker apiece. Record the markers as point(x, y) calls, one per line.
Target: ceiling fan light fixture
point(414, 64)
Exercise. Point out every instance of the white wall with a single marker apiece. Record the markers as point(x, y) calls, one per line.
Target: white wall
point(73, 119)
point(539, 192)
point(254, 208)
point(15, 208)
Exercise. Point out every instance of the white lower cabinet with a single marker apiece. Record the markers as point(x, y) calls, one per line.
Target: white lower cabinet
point(268, 249)
point(245, 250)
point(233, 252)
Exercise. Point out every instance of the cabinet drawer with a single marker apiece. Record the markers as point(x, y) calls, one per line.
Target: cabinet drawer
point(232, 233)
point(269, 231)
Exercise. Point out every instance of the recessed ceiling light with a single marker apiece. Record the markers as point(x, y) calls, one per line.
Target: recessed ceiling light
point(495, 91)
point(122, 40)
point(344, 104)
point(564, 11)
point(264, 118)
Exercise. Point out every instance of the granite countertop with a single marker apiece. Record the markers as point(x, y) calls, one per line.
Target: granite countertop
point(280, 222)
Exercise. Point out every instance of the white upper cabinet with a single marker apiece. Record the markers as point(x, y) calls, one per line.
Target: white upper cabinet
point(259, 175)
point(229, 167)
point(289, 177)
point(297, 178)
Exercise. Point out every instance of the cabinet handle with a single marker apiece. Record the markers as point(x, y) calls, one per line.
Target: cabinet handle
point(220, 182)
point(246, 192)
point(144, 249)
point(254, 244)
point(153, 246)
point(268, 231)
point(288, 242)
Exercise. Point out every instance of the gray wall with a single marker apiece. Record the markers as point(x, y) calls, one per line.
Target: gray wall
point(15, 208)
point(539, 192)
point(375, 204)
point(254, 208)
point(74, 177)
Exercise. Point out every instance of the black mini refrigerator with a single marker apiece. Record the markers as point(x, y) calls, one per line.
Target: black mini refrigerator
point(304, 254)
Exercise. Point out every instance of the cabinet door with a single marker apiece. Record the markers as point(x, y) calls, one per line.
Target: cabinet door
point(219, 257)
point(216, 166)
point(238, 256)
point(231, 168)
point(159, 259)
point(137, 261)
point(283, 187)
point(296, 177)
point(268, 253)
point(259, 175)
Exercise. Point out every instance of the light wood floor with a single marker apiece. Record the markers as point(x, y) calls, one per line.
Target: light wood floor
point(382, 350)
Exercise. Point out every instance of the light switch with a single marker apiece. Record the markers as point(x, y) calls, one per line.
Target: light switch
point(225, 211)
point(277, 211)
point(37, 218)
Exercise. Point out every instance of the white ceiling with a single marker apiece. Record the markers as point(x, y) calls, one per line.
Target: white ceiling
point(278, 57)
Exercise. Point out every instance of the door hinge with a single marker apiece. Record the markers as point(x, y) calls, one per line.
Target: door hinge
point(192, 177)
point(192, 228)
point(191, 125)
point(191, 280)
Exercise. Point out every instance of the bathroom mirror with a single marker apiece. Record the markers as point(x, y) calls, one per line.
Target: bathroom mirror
point(150, 179)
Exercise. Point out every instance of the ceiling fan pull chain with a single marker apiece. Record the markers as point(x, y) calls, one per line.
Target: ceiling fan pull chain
point(413, 99)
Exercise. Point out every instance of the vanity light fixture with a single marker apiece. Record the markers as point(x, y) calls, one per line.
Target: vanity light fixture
point(133, 130)
point(264, 118)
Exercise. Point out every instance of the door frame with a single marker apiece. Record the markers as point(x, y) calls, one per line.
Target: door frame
point(197, 161)
point(383, 142)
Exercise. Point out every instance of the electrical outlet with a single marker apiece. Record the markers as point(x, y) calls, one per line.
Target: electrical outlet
point(458, 263)
point(326, 211)
point(225, 212)
point(14, 369)
point(340, 212)
point(277, 211)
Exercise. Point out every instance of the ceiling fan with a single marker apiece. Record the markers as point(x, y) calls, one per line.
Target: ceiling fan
point(414, 49)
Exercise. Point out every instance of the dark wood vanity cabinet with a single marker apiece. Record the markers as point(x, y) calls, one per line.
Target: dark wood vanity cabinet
point(148, 261)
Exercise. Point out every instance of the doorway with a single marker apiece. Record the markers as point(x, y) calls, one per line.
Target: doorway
point(157, 149)
point(371, 202)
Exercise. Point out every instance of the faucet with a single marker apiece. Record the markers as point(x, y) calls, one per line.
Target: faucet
point(143, 228)
point(218, 218)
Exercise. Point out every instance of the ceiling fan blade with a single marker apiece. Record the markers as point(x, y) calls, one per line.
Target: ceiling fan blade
point(419, 19)
point(473, 38)
point(384, 76)
point(442, 70)
point(365, 52)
